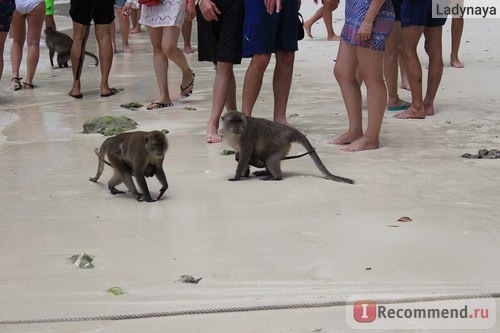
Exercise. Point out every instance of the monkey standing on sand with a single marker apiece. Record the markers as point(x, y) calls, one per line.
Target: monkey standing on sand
point(60, 43)
point(264, 143)
point(139, 154)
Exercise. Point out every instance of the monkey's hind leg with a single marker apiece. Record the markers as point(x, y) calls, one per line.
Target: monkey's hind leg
point(113, 182)
point(273, 166)
point(262, 173)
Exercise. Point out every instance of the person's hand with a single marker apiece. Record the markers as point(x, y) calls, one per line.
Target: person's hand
point(365, 30)
point(271, 5)
point(191, 10)
point(127, 7)
point(209, 10)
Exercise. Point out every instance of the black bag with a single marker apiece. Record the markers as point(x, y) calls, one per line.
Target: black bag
point(300, 31)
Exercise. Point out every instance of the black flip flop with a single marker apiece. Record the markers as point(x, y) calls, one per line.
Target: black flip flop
point(112, 91)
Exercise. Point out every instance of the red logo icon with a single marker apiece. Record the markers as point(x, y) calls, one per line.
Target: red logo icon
point(365, 311)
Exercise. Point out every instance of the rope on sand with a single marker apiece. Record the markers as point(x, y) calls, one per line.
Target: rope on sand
point(419, 299)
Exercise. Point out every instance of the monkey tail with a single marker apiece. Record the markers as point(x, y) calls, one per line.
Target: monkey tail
point(319, 164)
point(101, 158)
point(90, 54)
point(300, 155)
point(100, 165)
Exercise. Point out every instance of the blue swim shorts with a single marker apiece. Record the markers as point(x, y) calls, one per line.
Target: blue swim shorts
point(419, 13)
point(120, 3)
point(264, 33)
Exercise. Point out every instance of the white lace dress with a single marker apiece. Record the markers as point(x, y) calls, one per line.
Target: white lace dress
point(168, 13)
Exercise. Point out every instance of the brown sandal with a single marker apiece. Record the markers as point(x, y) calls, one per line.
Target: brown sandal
point(28, 85)
point(15, 83)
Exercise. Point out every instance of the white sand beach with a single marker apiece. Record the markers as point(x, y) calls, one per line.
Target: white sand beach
point(300, 240)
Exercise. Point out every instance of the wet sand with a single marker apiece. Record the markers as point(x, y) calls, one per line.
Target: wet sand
point(301, 240)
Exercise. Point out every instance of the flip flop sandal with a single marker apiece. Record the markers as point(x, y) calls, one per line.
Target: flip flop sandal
point(190, 87)
point(158, 105)
point(112, 91)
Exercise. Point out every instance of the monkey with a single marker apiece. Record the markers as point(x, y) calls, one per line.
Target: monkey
point(60, 43)
point(139, 154)
point(266, 143)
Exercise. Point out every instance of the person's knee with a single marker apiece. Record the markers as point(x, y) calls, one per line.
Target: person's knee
point(224, 68)
point(169, 50)
point(285, 58)
point(340, 73)
point(260, 61)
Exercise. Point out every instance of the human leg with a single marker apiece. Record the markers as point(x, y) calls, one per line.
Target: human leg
point(35, 19)
point(311, 20)
point(345, 73)
point(49, 14)
point(223, 92)
point(135, 15)
point(282, 81)
point(3, 37)
point(103, 36)
point(80, 36)
point(391, 68)
point(18, 31)
point(457, 27)
point(370, 65)
point(328, 8)
point(113, 37)
point(160, 64)
point(402, 71)
point(187, 27)
point(433, 47)
point(253, 81)
point(171, 51)
point(124, 23)
point(410, 37)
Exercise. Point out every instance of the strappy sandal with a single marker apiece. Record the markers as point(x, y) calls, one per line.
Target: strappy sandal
point(15, 83)
point(28, 85)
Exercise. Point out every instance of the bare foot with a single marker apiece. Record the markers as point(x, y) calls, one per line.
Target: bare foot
point(456, 63)
point(411, 113)
point(188, 50)
point(136, 30)
point(127, 49)
point(75, 94)
point(397, 104)
point(281, 121)
point(213, 135)
point(307, 28)
point(429, 110)
point(362, 143)
point(346, 138)
point(334, 38)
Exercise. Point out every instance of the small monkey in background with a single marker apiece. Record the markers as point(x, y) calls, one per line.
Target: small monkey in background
point(60, 43)
point(139, 154)
point(264, 143)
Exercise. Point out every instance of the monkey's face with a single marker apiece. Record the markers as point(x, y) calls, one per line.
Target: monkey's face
point(235, 123)
point(156, 143)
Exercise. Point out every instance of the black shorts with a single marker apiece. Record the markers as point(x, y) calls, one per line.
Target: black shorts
point(221, 40)
point(7, 7)
point(419, 13)
point(397, 9)
point(100, 11)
